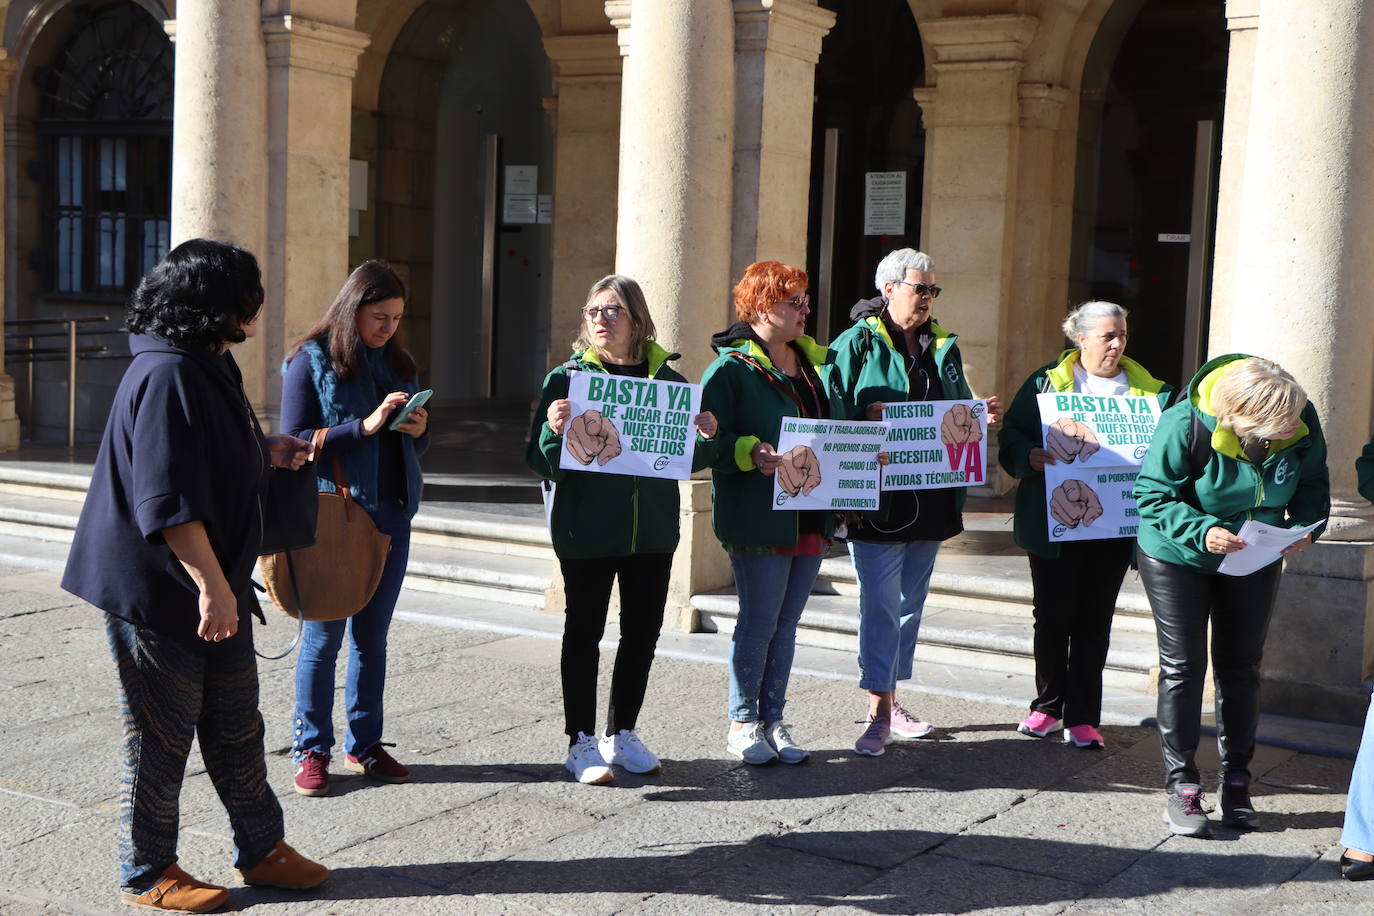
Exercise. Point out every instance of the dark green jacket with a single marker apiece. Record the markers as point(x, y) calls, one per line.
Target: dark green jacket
point(1178, 503)
point(1021, 432)
point(602, 515)
point(747, 394)
point(870, 369)
point(1364, 471)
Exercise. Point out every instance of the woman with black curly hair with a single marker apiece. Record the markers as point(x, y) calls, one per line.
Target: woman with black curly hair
point(165, 546)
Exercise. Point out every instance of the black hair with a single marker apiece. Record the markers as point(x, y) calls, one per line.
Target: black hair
point(372, 281)
point(198, 297)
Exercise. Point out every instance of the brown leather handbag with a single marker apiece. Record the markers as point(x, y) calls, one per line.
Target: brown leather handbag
point(337, 576)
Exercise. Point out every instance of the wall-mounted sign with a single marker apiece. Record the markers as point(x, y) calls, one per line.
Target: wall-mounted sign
point(885, 203)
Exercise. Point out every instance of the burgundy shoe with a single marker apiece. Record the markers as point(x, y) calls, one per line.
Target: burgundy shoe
point(378, 764)
point(312, 774)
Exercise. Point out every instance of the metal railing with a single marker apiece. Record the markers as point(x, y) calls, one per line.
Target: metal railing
point(25, 330)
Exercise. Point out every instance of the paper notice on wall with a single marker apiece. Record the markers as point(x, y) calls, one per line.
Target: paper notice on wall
point(640, 427)
point(545, 209)
point(1098, 443)
point(519, 208)
point(936, 444)
point(522, 179)
point(885, 203)
point(828, 464)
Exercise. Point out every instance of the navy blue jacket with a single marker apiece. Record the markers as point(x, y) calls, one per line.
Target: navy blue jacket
point(181, 445)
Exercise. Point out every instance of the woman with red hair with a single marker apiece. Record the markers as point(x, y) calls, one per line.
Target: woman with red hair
point(767, 369)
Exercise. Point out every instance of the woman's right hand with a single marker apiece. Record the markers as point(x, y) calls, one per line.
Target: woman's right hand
point(765, 458)
point(219, 613)
point(1219, 540)
point(377, 419)
point(1040, 457)
point(560, 412)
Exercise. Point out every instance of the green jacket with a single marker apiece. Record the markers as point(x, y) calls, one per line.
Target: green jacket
point(870, 368)
point(1179, 504)
point(748, 396)
point(1364, 471)
point(1021, 432)
point(602, 515)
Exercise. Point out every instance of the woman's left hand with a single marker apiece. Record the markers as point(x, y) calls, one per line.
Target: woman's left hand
point(994, 410)
point(289, 452)
point(416, 424)
point(705, 422)
point(1298, 546)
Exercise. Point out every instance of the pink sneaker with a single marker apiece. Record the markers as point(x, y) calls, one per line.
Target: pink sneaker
point(1039, 724)
point(875, 738)
point(906, 725)
point(1083, 736)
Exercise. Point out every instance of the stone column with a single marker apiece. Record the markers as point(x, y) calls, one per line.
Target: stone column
point(1304, 262)
point(219, 138)
point(673, 232)
point(777, 45)
point(9, 420)
point(586, 77)
point(310, 67)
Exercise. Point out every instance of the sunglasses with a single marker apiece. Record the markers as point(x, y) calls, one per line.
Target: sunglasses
point(797, 302)
point(922, 290)
point(611, 313)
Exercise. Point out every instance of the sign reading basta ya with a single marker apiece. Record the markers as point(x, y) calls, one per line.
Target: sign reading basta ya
point(635, 426)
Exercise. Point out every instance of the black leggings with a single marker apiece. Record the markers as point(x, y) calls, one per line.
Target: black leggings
point(643, 592)
point(1182, 599)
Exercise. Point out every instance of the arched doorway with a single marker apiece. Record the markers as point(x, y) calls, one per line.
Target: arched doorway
point(1149, 150)
point(462, 151)
point(868, 153)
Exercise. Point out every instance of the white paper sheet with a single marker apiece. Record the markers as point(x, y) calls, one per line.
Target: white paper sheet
point(1263, 544)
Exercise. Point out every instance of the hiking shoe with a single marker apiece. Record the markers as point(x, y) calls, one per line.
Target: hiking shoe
point(1039, 724)
point(749, 744)
point(1236, 809)
point(177, 891)
point(378, 764)
point(624, 749)
point(1083, 736)
point(312, 774)
point(876, 737)
point(284, 867)
point(1183, 812)
point(780, 740)
point(906, 725)
point(585, 762)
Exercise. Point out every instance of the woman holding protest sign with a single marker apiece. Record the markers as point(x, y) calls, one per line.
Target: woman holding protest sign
point(767, 369)
point(607, 527)
point(1245, 446)
point(1075, 583)
point(896, 352)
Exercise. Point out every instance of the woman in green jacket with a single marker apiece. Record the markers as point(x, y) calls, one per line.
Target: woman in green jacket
point(1076, 583)
point(607, 527)
point(1246, 445)
point(767, 369)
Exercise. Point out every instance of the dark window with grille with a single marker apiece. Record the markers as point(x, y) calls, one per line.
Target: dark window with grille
point(106, 141)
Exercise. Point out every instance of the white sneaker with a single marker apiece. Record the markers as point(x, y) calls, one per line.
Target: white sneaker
point(749, 744)
point(624, 749)
point(586, 763)
point(780, 740)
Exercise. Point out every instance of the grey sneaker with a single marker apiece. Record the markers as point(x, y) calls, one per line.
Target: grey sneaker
point(749, 744)
point(1236, 809)
point(1183, 812)
point(781, 741)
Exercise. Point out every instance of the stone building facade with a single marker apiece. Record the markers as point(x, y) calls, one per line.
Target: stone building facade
point(1181, 156)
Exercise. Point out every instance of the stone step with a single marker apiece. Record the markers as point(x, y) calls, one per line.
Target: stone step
point(504, 578)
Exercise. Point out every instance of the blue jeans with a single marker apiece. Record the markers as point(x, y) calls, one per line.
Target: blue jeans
point(772, 594)
point(893, 581)
point(171, 692)
point(366, 678)
point(1359, 804)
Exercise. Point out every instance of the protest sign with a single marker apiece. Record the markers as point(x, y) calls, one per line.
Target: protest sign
point(828, 464)
point(635, 426)
point(1098, 442)
point(935, 444)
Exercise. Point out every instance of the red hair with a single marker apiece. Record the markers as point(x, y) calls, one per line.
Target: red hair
point(763, 285)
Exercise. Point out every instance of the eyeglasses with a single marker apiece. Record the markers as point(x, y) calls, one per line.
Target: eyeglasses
point(608, 313)
point(922, 290)
point(797, 302)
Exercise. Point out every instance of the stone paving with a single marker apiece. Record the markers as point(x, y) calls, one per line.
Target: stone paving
point(976, 819)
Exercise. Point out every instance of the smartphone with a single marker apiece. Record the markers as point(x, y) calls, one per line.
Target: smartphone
point(416, 400)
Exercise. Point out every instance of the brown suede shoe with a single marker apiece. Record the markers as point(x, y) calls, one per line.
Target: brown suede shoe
point(178, 892)
point(284, 867)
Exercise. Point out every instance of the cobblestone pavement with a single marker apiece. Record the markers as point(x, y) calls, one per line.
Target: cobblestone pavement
point(976, 819)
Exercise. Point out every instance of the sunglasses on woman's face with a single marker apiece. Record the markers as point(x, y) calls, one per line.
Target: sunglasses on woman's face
point(922, 290)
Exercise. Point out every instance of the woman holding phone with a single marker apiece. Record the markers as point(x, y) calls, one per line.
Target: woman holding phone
point(350, 375)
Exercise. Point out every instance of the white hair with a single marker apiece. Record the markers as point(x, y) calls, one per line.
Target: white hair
point(1082, 319)
point(893, 268)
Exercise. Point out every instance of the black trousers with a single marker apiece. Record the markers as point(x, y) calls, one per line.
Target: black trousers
point(1239, 607)
point(643, 592)
point(1075, 598)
